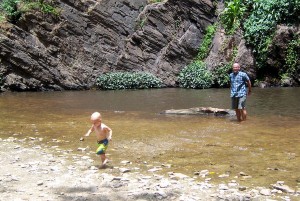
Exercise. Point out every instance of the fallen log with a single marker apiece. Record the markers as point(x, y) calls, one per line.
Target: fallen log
point(201, 111)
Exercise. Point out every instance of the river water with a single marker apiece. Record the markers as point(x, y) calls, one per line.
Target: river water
point(265, 147)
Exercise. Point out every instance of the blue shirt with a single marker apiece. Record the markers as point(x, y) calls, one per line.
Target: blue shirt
point(238, 84)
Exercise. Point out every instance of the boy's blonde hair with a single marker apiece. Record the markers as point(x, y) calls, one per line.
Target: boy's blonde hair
point(95, 116)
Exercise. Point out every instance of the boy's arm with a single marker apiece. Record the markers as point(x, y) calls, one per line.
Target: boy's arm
point(89, 131)
point(109, 133)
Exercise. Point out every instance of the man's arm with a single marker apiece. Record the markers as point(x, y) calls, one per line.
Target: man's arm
point(249, 87)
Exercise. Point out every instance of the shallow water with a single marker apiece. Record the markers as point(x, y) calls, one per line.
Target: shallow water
point(266, 146)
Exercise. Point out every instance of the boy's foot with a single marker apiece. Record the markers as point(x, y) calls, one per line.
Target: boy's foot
point(104, 162)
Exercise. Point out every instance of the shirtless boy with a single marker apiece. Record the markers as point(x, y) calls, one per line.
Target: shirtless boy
point(103, 135)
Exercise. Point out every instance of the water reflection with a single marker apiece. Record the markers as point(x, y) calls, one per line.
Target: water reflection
point(266, 146)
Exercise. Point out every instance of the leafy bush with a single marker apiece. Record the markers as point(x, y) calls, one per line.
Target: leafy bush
point(231, 15)
point(206, 42)
point(13, 9)
point(10, 8)
point(128, 80)
point(221, 75)
point(261, 23)
point(195, 76)
point(292, 67)
point(41, 5)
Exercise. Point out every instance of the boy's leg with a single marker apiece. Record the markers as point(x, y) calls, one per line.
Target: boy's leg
point(103, 159)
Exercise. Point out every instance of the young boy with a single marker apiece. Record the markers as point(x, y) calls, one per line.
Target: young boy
point(103, 135)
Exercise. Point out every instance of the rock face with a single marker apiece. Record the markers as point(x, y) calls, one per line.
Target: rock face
point(89, 37)
point(223, 52)
point(278, 52)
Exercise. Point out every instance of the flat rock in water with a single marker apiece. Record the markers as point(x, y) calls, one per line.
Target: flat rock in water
point(201, 111)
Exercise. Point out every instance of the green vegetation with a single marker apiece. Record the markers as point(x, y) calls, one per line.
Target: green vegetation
point(264, 15)
point(128, 80)
point(221, 75)
point(260, 20)
point(292, 67)
point(195, 76)
point(206, 42)
point(12, 10)
point(221, 72)
point(142, 22)
point(231, 15)
point(40, 5)
point(1, 79)
point(154, 1)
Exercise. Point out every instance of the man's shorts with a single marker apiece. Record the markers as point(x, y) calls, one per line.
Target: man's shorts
point(102, 146)
point(238, 102)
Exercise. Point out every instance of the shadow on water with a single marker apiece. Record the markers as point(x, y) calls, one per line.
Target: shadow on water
point(265, 147)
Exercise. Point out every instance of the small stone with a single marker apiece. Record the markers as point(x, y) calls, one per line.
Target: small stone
point(242, 188)
point(178, 176)
point(243, 174)
point(155, 169)
point(164, 184)
point(283, 188)
point(266, 192)
point(166, 165)
point(207, 179)
point(81, 149)
point(246, 177)
point(232, 184)
point(223, 175)
point(93, 168)
point(162, 194)
point(123, 170)
point(117, 178)
point(125, 162)
point(223, 187)
point(40, 183)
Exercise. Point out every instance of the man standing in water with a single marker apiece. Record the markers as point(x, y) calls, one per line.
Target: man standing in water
point(238, 92)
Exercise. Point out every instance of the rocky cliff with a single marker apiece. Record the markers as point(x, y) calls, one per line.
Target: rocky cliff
point(91, 37)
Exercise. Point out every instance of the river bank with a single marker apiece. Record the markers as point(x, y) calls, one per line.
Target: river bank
point(31, 172)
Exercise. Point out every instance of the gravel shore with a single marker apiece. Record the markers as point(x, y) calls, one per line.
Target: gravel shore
point(33, 173)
